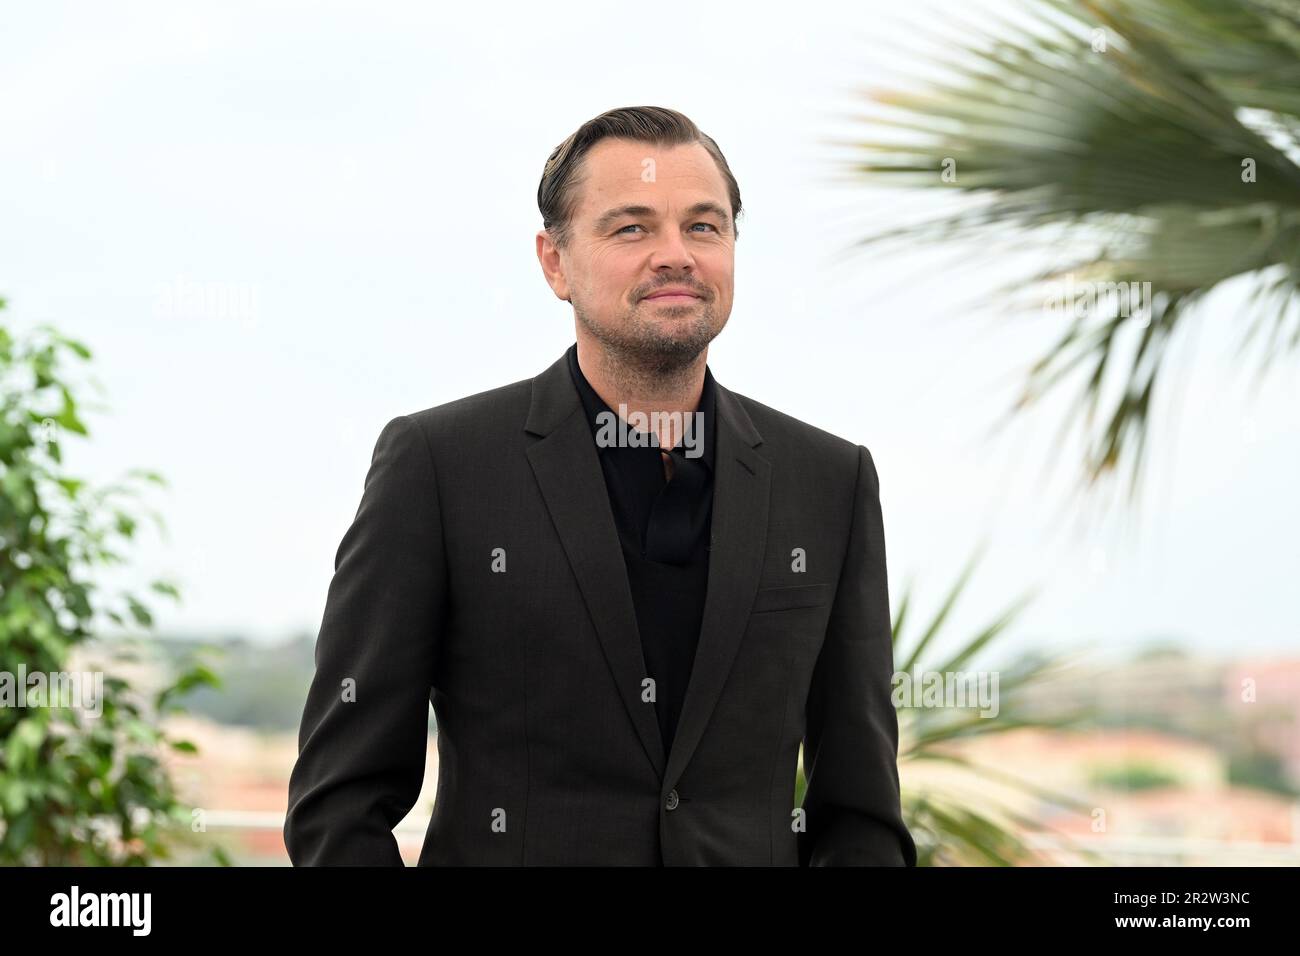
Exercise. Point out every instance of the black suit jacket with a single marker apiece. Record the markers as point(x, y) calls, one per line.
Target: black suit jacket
point(483, 574)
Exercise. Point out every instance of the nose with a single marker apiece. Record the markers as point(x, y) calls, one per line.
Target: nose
point(670, 252)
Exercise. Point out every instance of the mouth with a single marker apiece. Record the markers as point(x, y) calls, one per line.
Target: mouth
point(672, 298)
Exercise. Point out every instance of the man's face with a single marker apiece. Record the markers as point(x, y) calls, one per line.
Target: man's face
point(648, 218)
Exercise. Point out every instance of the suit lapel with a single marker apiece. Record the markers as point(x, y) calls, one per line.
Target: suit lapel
point(568, 472)
point(741, 489)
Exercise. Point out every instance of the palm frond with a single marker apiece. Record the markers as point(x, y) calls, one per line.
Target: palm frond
point(1162, 158)
point(946, 832)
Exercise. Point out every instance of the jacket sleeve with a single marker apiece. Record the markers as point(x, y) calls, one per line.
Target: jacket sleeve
point(361, 746)
point(852, 810)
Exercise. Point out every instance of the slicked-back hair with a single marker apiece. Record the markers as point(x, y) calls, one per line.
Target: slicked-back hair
point(557, 194)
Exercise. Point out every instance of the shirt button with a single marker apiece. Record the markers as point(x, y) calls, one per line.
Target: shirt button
point(672, 801)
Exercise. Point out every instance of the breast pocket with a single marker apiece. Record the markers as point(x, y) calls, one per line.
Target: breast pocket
point(784, 598)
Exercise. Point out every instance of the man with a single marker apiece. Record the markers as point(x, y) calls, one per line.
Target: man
point(625, 631)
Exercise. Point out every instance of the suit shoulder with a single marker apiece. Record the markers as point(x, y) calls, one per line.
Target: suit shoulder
point(505, 402)
point(783, 429)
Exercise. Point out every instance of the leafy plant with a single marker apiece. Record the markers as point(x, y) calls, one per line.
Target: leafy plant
point(1143, 141)
point(1134, 776)
point(79, 785)
point(946, 831)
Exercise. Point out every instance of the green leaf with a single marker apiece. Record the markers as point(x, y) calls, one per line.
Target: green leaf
point(1124, 165)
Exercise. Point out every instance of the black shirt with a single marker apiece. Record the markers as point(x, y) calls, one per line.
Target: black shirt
point(664, 526)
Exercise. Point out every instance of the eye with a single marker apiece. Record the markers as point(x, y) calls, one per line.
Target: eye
point(709, 224)
point(632, 226)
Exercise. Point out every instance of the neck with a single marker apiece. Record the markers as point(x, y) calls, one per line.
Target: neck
point(647, 388)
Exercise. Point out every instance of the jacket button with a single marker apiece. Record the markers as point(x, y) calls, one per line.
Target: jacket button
point(672, 801)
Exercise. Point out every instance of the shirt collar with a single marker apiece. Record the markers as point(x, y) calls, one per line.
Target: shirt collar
point(593, 405)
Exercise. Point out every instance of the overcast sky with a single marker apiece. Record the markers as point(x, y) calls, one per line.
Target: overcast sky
point(359, 183)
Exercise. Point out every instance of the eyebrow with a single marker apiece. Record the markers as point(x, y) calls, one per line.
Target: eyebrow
point(610, 216)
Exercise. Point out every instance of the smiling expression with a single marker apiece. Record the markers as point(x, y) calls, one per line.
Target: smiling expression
point(649, 267)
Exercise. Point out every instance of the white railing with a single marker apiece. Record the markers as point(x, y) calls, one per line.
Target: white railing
point(1110, 851)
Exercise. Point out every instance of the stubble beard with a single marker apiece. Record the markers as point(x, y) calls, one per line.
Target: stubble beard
point(649, 353)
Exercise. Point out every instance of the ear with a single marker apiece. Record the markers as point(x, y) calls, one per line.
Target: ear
point(552, 265)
